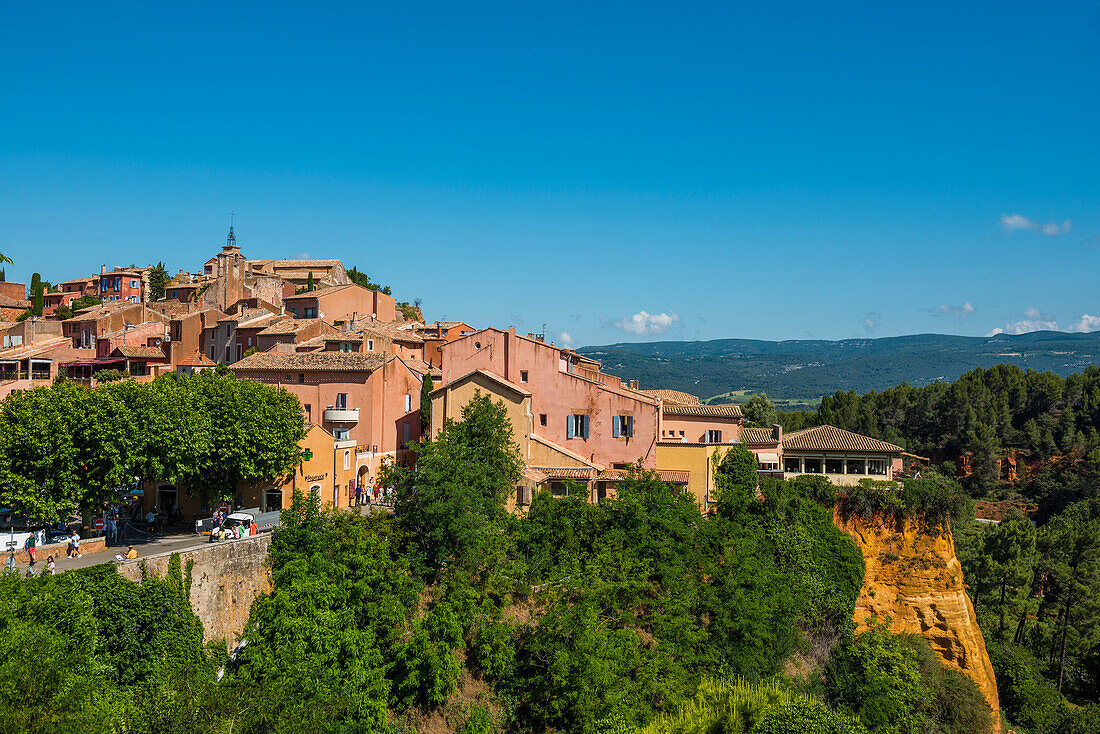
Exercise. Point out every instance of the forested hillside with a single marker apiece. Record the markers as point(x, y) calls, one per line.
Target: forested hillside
point(811, 368)
point(980, 417)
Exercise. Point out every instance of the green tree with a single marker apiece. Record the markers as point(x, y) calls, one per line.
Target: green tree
point(760, 410)
point(63, 312)
point(362, 279)
point(36, 294)
point(84, 302)
point(1070, 545)
point(735, 479)
point(309, 282)
point(426, 405)
point(158, 279)
point(454, 501)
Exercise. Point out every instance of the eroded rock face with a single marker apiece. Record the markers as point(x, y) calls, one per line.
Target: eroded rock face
point(914, 579)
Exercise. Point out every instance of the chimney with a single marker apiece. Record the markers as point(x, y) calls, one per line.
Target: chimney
point(777, 433)
point(633, 384)
point(102, 269)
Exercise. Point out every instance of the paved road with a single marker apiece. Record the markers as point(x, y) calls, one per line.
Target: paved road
point(166, 544)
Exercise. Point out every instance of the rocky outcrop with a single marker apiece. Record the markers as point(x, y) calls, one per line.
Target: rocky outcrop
point(225, 578)
point(914, 580)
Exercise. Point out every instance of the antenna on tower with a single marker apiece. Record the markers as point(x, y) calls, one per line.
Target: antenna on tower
point(231, 240)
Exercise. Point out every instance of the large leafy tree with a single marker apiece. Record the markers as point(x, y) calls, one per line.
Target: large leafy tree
point(454, 500)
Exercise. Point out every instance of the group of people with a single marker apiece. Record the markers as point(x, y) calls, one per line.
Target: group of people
point(372, 495)
point(232, 531)
point(30, 545)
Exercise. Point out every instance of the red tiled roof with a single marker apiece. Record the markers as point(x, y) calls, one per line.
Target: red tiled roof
point(139, 352)
point(565, 472)
point(671, 397)
point(306, 361)
point(831, 438)
point(196, 360)
point(665, 475)
point(757, 435)
point(727, 411)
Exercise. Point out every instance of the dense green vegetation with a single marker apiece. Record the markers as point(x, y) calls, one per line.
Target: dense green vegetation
point(67, 447)
point(362, 279)
point(1035, 590)
point(158, 279)
point(808, 368)
point(983, 414)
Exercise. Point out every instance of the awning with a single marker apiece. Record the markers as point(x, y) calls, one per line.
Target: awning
point(768, 457)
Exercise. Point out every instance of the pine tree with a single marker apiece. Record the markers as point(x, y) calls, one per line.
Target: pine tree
point(36, 294)
point(309, 282)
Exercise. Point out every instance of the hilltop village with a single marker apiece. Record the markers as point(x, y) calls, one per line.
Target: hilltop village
point(363, 366)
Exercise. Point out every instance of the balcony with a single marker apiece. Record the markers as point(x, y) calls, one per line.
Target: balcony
point(341, 415)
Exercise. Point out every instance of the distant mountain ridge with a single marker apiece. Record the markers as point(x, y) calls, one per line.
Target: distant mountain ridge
point(811, 368)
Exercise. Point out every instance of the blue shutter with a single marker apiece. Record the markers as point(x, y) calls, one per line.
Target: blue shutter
point(569, 426)
point(615, 426)
point(585, 426)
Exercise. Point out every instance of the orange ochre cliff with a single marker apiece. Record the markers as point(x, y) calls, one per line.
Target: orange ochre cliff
point(914, 579)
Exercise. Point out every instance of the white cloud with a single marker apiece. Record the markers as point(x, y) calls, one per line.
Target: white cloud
point(1087, 323)
point(643, 323)
point(300, 256)
point(958, 311)
point(1033, 320)
point(565, 338)
point(871, 322)
point(1018, 222)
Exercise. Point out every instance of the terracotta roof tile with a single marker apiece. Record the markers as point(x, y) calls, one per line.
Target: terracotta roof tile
point(139, 352)
point(287, 326)
point(727, 411)
point(565, 472)
point(196, 359)
point(757, 435)
point(665, 475)
point(320, 292)
point(6, 302)
point(671, 397)
point(831, 438)
point(303, 361)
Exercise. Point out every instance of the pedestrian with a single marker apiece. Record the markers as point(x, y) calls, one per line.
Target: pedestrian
point(358, 494)
point(131, 553)
point(49, 566)
point(255, 529)
point(29, 546)
point(74, 541)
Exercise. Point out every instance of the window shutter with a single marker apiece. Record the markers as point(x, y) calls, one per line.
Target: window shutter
point(585, 421)
point(569, 426)
point(615, 426)
point(629, 425)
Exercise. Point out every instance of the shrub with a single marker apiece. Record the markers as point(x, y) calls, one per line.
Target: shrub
point(806, 716)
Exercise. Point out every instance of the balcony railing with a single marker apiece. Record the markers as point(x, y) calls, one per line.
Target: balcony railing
point(341, 415)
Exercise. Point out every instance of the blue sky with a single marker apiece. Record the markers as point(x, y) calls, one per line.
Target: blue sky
point(617, 171)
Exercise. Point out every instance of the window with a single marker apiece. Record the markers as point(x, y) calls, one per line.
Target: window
point(622, 426)
point(834, 466)
point(309, 313)
point(408, 403)
point(576, 426)
point(301, 378)
point(542, 419)
point(240, 349)
point(341, 401)
point(345, 346)
point(273, 500)
point(293, 311)
point(228, 356)
point(559, 489)
point(309, 409)
point(347, 460)
point(811, 466)
point(877, 467)
point(791, 465)
point(340, 434)
point(133, 284)
point(856, 466)
point(370, 345)
point(710, 436)
point(523, 376)
point(405, 440)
